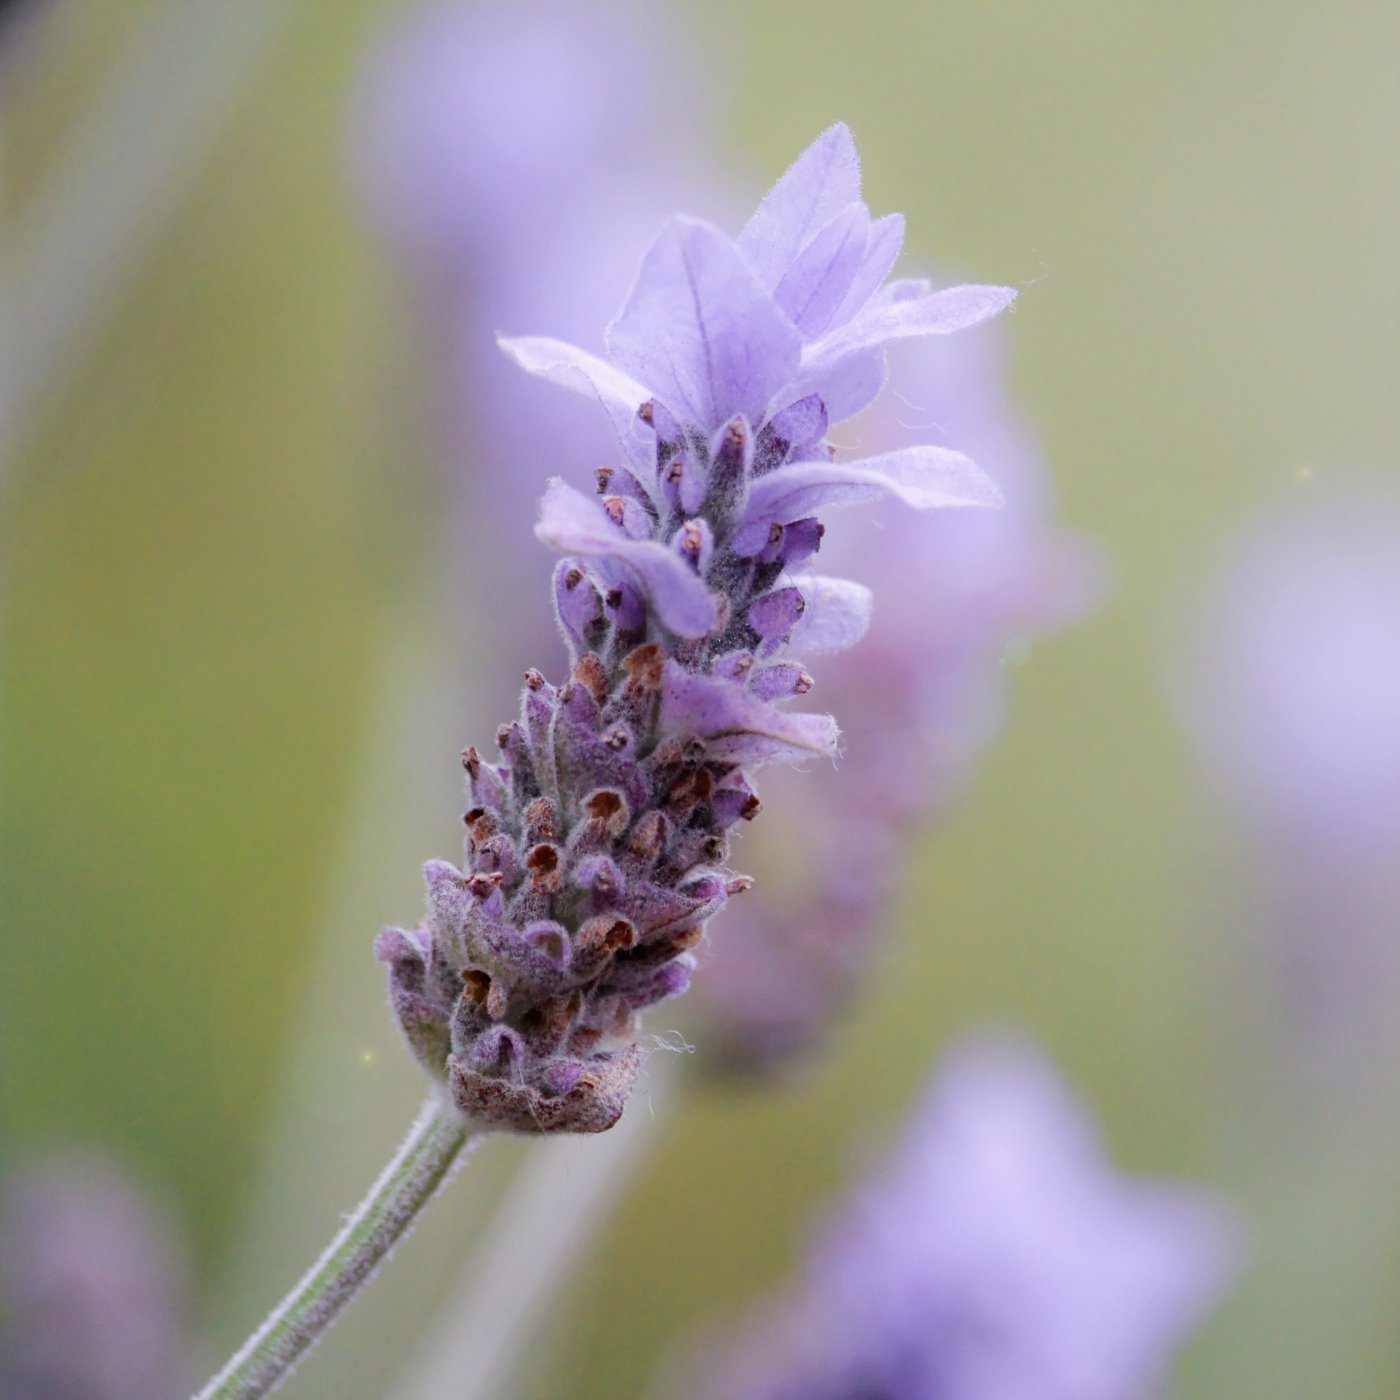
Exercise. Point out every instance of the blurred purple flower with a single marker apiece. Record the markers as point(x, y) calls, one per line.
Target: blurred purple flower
point(91, 1287)
point(920, 699)
point(999, 1257)
point(484, 117)
point(1291, 690)
point(597, 848)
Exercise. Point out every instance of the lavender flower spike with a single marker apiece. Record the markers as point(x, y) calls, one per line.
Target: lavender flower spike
point(597, 846)
point(998, 1258)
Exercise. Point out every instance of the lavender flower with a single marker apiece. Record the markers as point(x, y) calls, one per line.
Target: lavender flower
point(488, 130)
point(1292, 694)
point(90, 1287)
point(597, 846)
point(999, 1257)
point(920, 699)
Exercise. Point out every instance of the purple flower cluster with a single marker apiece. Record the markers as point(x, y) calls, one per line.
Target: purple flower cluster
point(1000, 1257)
point(597, 845)
point(487, 144)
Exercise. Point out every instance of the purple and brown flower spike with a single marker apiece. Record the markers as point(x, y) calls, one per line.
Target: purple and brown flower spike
point(598, 839)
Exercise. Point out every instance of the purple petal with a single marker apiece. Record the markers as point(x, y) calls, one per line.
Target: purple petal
point(938, 313)
point(576, 369)
point(902, 289)
point(567, 365)
point(801, 423)
point(837, 614)
point(801, 539)
point(821, 182)
point(882, 245)
point(845, 383)
point(576, 604)
point(695, 543)
point(658, 910)
point(753, 536)
point(577, 524)
point(847, 367)
point(629, 515)
point(923, 476)
point(738, 726)
point(822, 273)
point(700, 331)
point(780, 681)
point(775, 614)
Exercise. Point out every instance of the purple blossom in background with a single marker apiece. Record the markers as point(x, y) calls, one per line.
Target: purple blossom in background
point(597, 848)
point(91, 1287)
point(921, 697)
point(1292, 693)
point(999, 1257)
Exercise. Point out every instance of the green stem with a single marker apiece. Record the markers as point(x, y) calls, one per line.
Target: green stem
point(422, 1165)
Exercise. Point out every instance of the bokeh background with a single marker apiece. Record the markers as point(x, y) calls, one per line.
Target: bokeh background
point(232, 704)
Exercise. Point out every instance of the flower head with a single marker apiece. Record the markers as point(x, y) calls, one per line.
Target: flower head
point(597, 846)
point(999, 1257)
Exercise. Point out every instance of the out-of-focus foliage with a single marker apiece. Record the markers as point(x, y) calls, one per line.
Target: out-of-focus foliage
point(213, 542)
point(196, 570)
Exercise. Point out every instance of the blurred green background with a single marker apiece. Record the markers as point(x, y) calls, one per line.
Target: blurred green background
point(229, 741)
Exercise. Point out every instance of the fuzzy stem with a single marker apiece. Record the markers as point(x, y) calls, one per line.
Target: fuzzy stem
point(420, 1167)
point(558, 1202)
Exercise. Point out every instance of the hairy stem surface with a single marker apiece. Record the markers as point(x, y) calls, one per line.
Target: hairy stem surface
point(560, 1200)
point(421, 1166)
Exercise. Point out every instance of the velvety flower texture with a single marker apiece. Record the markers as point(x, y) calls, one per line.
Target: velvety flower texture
point(597, 846)
point(999, 1257)
point(919, 699)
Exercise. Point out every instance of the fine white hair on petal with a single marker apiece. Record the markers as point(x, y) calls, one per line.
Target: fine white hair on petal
point(560, 363)
point(937, 313)
point(823, 180)
point(924, 476)
point(837, 615)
